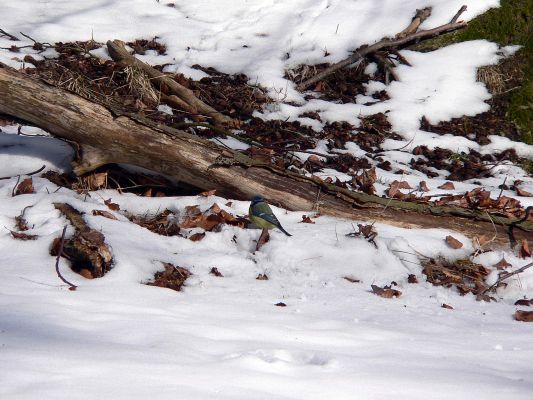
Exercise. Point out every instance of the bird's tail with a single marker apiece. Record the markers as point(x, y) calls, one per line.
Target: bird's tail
point(283, 230)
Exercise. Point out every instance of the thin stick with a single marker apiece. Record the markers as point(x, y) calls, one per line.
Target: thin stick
point(29, 173)
point(420, 16)
point(385, 43)
point(71, 286)
point(507, 276)
point(13, 38)
point(456, 16)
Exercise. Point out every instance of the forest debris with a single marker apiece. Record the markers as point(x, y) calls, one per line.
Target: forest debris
point(351, 280)
point(412, 278)
point(466, 276)
point(208, 193)
point(22, 236)
point(24, 187)
point(444, 305)
point(502, 264)
point(365, 180)
point(367, 231)
point(196, 237)
point(161, 223)
point(385, 292)
point(104, 213)
point(86, 249)
point(112, 206)
point(216, 272)
point(262, 277)
point(524, 302)
point(306, 220)
point(453, 242)
point(524, 251)
point(172, 277)
point(447, 186)
point(524, 316)
point(386, 43)
point(280, 304)
point(423, 186)
point(210, 220)
point(97, 181)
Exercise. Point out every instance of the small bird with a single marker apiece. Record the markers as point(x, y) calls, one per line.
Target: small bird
point(262, 216)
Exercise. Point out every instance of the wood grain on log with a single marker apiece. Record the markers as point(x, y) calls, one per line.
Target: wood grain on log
point(105, 137)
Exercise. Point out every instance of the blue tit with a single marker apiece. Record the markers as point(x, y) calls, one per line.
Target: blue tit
point(262, 216)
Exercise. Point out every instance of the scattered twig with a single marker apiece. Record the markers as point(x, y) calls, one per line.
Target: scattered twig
point(382, 44)
point(503, 186)
point(420, 16)
point(507, 276)
point(456, 16)
point(71, 286)
point(15, 187)
point(28, 174)
point(10, 36)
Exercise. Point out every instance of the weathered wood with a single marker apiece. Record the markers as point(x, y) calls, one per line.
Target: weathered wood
point(105, 137)
point(179, 95)
point(384, 44)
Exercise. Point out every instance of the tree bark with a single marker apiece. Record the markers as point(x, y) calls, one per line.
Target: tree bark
point(105, 137)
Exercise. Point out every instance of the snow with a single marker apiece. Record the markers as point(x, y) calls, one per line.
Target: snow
point(223, 337)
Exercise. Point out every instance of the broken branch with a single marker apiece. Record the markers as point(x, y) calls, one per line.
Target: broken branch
point(179, 95)
point(60, 251)
point(382, 44)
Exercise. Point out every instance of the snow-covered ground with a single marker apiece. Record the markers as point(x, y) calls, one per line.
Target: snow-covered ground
point(223, 337)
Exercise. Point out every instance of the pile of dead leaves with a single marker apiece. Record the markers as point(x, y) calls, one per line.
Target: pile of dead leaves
point(465, 275)
point(171, 277)
point(170, 224)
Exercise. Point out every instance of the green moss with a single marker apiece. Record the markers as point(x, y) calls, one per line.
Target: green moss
point(510, 24)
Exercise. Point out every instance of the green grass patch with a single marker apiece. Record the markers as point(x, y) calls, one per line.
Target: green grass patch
point(510, 24)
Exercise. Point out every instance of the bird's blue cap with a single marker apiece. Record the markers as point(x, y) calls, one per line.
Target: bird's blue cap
point(257, 199)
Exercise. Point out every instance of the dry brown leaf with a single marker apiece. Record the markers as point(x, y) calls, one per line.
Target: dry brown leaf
point(281, 304)
point(197, 236)
point(216, 272)
point(352, 280)
point(24, 187)
point(447, 186)
point(412, 278)
point(453, 242)
point(524, 250)
point(502, 264)
point(444, 305)
point(387, 293)
point(111, 206)
point(262, 277)
point(103, 213)
point(97, 181)
point(424, 186)
point(208, 193)
point(306, 220)
point(522, 192)
point(524, 302)
point(524, 316)
point(22, 236)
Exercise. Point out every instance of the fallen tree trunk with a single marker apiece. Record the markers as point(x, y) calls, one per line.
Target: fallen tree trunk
point(106, 137)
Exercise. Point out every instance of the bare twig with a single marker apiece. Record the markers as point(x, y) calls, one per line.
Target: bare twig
point(60, 251)
point(382, 44)
point(13, 38)
point(456, 16)
point(29, 173)
point(420, 16)
point(507, 276)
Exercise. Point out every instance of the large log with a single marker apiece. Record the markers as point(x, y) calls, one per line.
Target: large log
point(105, 137)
